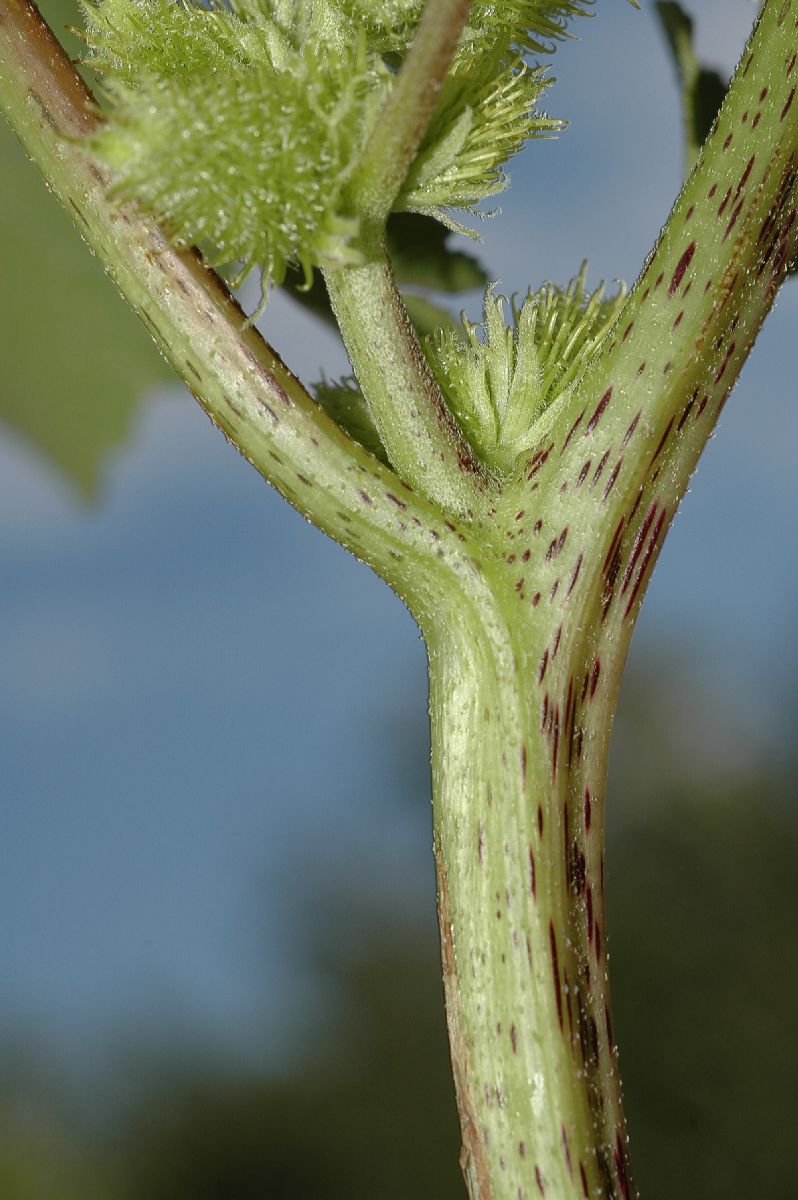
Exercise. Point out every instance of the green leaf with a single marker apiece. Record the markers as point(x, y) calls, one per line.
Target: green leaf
point(130, 39)
point(76, 362)
point(343, 401)
point(702, 89)
point(485, 114)
point(312, 297)
point(427, 317)
point(250, 163)
point(513, 25)
point(420, 252)
point(521, 25)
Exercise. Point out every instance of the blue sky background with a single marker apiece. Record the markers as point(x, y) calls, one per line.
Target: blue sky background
point(204, 704)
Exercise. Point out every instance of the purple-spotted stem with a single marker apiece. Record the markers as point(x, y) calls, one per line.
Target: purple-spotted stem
point(526, 592)
point(522, 719)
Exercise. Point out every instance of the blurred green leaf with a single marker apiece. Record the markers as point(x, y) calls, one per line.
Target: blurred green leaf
point(422, 257)
point(702, 89)
point(343, 401)
point(76, 362)
point(313, 298)
point(426, 316)
point(702, 923)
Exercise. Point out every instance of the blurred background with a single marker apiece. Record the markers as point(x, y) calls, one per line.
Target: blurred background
point(220, 974)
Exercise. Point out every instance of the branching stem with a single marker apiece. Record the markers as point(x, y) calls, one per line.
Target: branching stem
point(237, 378)
point(527, 596)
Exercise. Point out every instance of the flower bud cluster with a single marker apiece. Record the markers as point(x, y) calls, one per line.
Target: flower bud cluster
point(500, 380)
point(240, 125)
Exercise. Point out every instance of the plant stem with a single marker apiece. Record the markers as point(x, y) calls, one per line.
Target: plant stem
point(522, 717)
point(528, 612)
point(524, 963)
point(404, 119)
point(423, 442)
point(237, 378)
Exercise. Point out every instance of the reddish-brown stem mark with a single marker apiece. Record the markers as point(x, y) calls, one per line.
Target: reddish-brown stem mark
point(646, 559)
point(610, 484)
point(631, 429)
point(637, 546)
point(686, 413)
point(574, 428)
point(722, 368)
point(745, 174)
point(597, 415)
point(600, 468)
point(555, 741)
point(567, 1152)
point(662, 442)
point(577, 568)
point(544, 662)
point(616, 537)
point(733, 219)
point(594, 678)
point(555, 969)
point(621, 1168)
point(681, 267)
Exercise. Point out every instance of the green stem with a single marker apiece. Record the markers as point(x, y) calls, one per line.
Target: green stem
point(422, 439)
point(404, 119)
point(521, 929)
point(620, 449)
point(237, 378)
point(526, 642)
point(522, 714)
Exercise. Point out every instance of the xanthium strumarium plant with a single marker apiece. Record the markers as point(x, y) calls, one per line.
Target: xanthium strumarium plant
point(513, 483)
